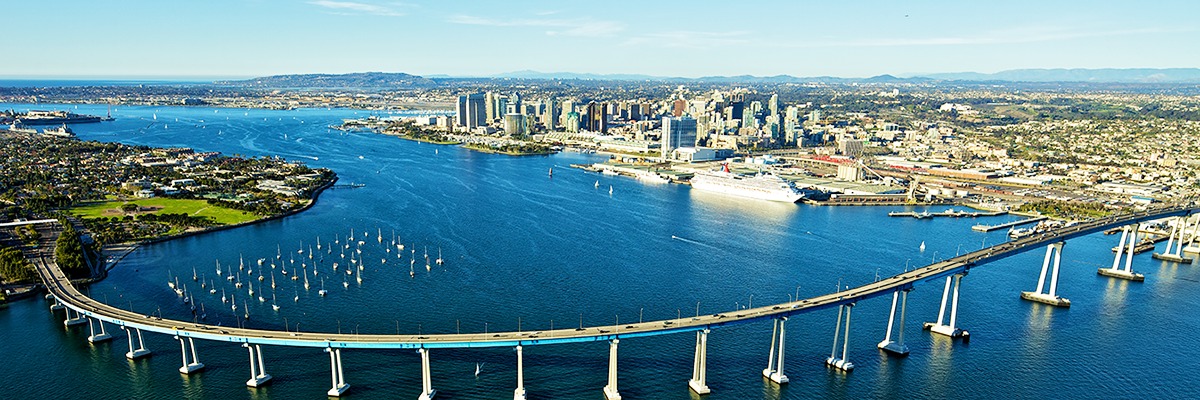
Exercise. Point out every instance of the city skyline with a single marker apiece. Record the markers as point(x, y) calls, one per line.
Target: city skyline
point(258, 38)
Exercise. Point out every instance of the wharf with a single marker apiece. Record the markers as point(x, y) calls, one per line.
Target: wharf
point(989, 228)
point(1144, 245)
point(948, 213)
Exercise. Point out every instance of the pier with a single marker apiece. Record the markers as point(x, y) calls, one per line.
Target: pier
point(951, 213)
point(989, 228)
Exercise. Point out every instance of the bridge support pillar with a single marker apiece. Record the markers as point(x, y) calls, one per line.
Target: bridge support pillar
point(1174, 250)
point(1126, 248)
point(427, 390)
point(842, 362)
point(79, 318)
point(699, 383)
point(258, 370)
point(519, 393)
point(339, 380)
point(897, 346)
point(194, 365)
point(950, 329)
point(774, 370)
point(610, 390)
point(140, 351)
point(97, 337)
point(56, 305)
point(1053, 251)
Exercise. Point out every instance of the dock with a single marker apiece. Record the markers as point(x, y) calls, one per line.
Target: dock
point(948, 213)
point(989, 228)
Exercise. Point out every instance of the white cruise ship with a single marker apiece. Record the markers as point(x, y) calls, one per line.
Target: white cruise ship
point(761, 186)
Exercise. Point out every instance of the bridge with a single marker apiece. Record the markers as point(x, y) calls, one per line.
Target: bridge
point(80, 309)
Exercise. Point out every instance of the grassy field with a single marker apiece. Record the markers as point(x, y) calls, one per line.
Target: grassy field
point(199, 208)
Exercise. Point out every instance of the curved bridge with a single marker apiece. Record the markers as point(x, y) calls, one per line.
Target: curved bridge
point(59, 286)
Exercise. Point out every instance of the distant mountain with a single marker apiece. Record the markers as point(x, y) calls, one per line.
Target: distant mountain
point(360, 80)
point(775, 79)
point(529, 74)
point(1104, 75)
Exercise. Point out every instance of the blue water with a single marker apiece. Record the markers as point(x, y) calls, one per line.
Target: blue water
point(520, 244)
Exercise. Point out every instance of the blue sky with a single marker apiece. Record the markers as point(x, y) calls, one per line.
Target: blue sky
point(243, 38)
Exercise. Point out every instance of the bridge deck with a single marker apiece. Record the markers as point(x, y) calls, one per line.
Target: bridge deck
point(58, 285)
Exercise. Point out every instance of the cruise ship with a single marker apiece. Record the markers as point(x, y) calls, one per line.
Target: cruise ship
point(760, 186)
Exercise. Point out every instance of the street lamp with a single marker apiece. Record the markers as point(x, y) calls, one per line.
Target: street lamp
point(797, 292)
point(751, 305)
point(640, 314)
point(697, 308)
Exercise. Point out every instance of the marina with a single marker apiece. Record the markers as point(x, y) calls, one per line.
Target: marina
point(989, 228)
point(948, 213)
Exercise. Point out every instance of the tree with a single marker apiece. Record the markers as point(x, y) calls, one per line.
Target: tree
point(69, 253)
point(13, 266)
point(129, 207)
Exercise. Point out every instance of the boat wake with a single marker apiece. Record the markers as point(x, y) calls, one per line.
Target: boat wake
point(683, 239)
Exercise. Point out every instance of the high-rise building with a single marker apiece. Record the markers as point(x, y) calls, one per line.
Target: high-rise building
point(572, 122)
point(679, 107)
point(471, 110)
point(516, 103)
point(773, 104)
point(550, 118)
point(490, 104)
point(677, 132)
point(597, 117)
point(514, 124)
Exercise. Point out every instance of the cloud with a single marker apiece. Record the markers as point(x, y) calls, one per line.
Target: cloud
point(359, 8)
point(568, 27)
point(1018, 35)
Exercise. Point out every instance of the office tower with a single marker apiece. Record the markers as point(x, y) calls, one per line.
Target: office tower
point(677, 132)
point(470, 110)
point(597, 117)
point(550, 118)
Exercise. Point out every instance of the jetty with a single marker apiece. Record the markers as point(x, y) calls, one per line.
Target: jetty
point(952, 213)
point(989, 228)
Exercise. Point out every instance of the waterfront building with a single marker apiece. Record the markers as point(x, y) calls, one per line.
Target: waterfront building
point(514, 124)
point(677, 132)
point(490, 104)
point(470, 110)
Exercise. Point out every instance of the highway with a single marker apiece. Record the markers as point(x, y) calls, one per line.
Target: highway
point(59, 286)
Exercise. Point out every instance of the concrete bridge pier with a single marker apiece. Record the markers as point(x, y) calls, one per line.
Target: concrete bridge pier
point(519, 392)
point(1126, 248)
point(939, 327)
point(427, 390)
point(1174, 250)
point(897, 346)
point(258, 370)
point(610, 390)
point(842, 362)
point(339, 380)
point(194, 365)
point(698, 383)
point(97, 337)
point(1052, 298)
point(56, 305)
point(774, 370)
point(141, 350)
point(79, 318)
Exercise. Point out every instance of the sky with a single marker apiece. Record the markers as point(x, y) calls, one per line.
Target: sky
point(854, 38)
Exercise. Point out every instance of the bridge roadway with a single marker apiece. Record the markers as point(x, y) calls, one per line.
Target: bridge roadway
point(59, 286)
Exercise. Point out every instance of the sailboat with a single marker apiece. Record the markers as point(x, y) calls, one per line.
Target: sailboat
point(212, 288)
point(274, 305)
point(439, 260)
point(194, 277)
point(241, 263)
point(597, 184)
point(218, 267)
point(251, 288)
point(551, 171)
point(318, 242)
point(322, 292)
point(427, 268)
point(272, 280)
point(609, 189)
point(306, 281)
point(223, 299)
point(378, 236)
point(922, 246)
point(411, 273)
point(203, 314)
point(246, 310)
point(478, 368)
point(345, 283)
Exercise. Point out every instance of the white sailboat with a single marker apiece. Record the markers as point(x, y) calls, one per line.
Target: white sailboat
point(922, 248)
point(439, 260)
point(274, 305)
point(478, 368)
point(306, 282)
point(322, 292)
point(218, 267)
point(597, 184)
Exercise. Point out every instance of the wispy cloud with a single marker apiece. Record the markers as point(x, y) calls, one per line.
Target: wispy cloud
point(351, 7)
point(567, 27)
point(691, 39)
point(1018, 35)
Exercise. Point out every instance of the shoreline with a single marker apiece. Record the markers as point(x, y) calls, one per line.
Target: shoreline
point(124, 249)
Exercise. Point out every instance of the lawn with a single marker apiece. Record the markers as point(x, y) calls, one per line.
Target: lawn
point(199, 208)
